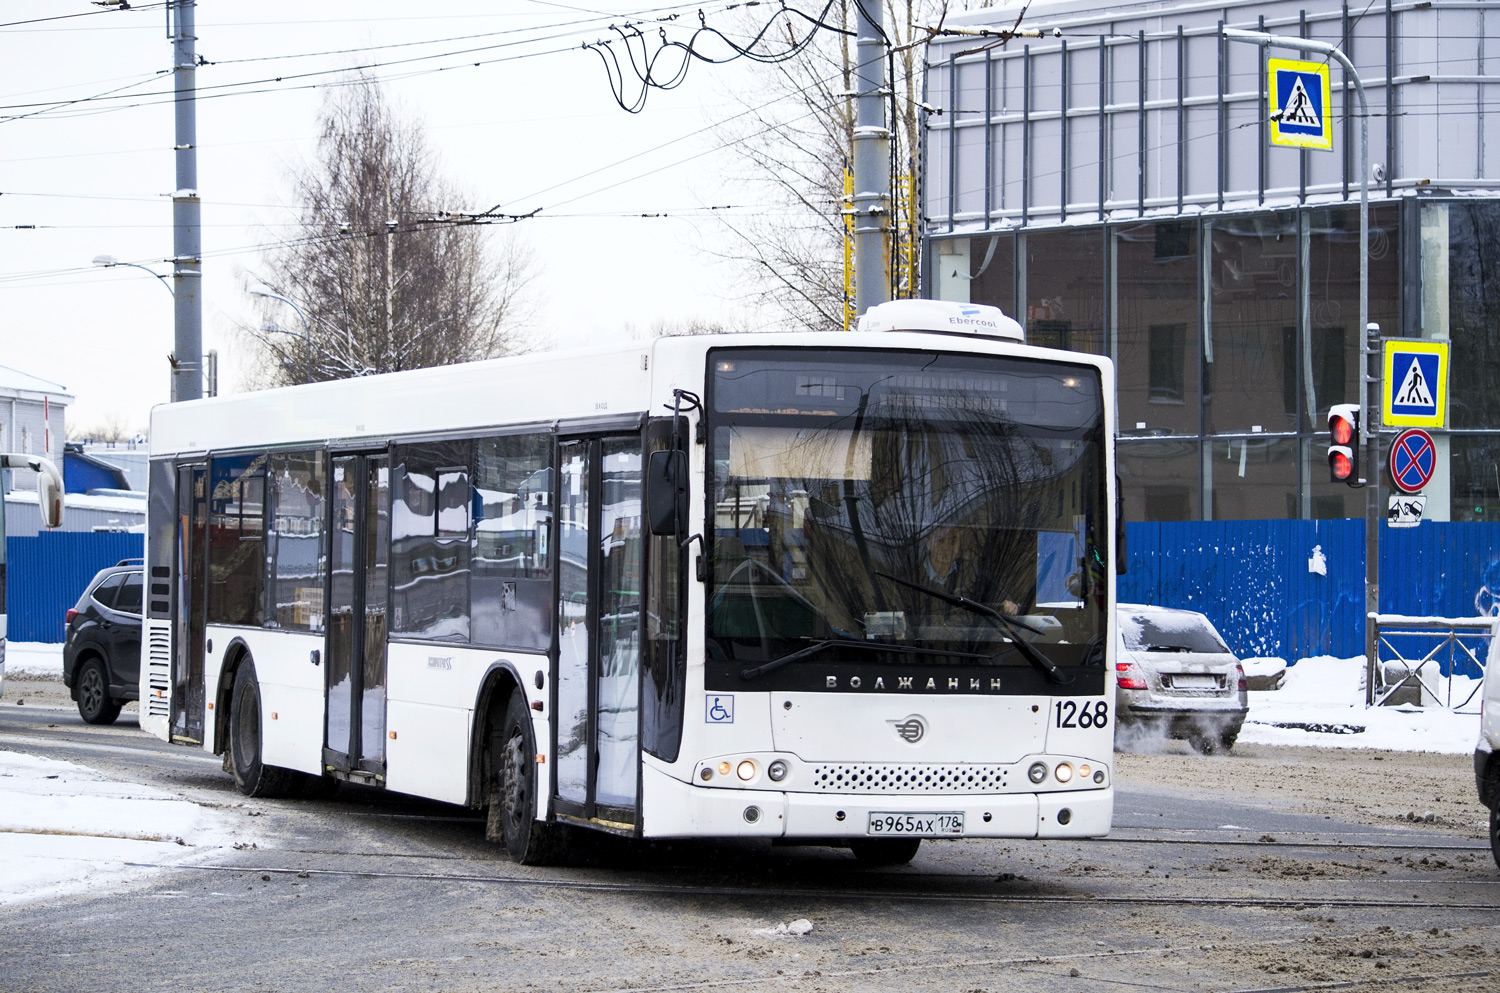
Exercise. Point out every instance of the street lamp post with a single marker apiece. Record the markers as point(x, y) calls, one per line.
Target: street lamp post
point(1369, 398)
point(270, 294)
point(110, 262)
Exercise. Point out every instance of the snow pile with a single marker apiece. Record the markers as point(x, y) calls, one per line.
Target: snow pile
point(65, 828)
point(33, 658)
point(795, 929)
point(1322, 703)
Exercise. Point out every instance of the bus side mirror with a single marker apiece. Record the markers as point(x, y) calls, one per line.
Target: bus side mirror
point(49, 485)
point(667, 492)
point(1120, 561)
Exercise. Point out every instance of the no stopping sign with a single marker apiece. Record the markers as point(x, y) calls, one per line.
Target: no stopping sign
point(1413, 459)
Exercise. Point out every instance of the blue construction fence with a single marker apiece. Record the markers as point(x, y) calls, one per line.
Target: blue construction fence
point(47, 573)
point(1288, 589)
point(1295, 589)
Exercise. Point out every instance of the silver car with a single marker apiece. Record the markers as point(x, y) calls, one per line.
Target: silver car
point(1175, 678)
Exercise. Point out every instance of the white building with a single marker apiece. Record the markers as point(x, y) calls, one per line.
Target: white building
point(32, 420)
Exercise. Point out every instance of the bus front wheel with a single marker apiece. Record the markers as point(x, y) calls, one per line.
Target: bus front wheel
point(514, 801)
point(252, 776)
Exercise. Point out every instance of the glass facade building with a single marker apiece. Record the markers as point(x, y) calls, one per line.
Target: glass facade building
point(1114, 189)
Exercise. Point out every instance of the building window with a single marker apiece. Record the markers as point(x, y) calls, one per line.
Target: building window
point(1065, 289)
point(1469, 310)
point(1156, 327)
point(1253, 478)
point(1253, 288)
point(1168, 356)
point(1160, 478)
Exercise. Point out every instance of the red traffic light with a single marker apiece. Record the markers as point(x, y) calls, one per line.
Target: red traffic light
point(1343, 452)
point(1341, 466)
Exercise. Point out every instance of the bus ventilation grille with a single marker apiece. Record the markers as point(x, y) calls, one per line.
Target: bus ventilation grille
point(877, 778)
point(159, 669)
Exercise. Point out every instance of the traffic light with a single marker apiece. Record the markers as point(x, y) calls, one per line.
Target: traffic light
point(1343, 452)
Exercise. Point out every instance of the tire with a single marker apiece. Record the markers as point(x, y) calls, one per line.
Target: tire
point(1495, 833)
point(513, 799)
point(95, 705)
point(1204, 743)
point(884, 851)
point(251, 776)
point(1228, 738)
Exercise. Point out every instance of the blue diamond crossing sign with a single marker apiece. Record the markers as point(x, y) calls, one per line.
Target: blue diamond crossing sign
point(1414, 388)
point(1300, 104)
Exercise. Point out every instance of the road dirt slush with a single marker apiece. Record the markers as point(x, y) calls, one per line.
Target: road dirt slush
point(1268, 868)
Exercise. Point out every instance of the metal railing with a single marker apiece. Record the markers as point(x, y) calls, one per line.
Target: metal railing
point(1440, 658)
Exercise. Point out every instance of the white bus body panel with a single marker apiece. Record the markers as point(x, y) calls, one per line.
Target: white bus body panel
point(291, 692)
point(861, 727)
point(431, 691)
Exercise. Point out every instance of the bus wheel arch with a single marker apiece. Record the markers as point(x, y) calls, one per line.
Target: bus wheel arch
point(495, 691)
point(245, 739)
point(223, 698)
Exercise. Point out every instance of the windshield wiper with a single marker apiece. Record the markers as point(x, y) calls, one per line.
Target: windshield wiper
point(868, 646)
point(1011, 626)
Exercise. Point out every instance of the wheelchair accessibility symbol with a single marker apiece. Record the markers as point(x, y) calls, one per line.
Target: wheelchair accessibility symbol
point(719, 710)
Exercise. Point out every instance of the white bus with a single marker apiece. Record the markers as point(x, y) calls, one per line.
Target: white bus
point(49, 496)
point(836, 588)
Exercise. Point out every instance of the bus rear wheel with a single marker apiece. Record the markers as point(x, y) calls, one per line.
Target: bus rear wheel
point(884, 851)
point(252, 776)
point(513, 803)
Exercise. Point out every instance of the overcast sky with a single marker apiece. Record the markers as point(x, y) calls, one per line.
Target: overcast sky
point(541, 130)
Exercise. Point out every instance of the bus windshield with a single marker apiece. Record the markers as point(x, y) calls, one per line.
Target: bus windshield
point(877, 508)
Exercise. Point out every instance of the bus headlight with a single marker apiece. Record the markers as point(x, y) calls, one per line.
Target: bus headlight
point(1037, 772)
point(1063, 772)
point(776, 771)
point(745, 770)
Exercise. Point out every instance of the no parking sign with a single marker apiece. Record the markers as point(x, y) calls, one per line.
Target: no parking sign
point(1413, 459)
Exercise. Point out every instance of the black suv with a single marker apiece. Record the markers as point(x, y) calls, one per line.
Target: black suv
point(102, 653)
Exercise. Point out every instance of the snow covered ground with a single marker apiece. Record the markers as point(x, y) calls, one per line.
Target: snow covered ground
point(1322, 704)
point(66, 828)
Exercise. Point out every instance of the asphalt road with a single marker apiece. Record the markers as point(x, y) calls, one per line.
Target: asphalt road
point(1194, 890)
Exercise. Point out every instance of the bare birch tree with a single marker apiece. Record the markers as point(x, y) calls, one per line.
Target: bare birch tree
point(384, 276)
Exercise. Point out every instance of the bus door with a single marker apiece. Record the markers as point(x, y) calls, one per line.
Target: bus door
point(359, 544)
point(192, 597)
point(597, 711)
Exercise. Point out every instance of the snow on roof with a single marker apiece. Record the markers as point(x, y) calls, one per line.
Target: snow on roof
point(14, 380)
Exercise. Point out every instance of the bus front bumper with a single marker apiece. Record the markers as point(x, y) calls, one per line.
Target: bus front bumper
point(674, 809)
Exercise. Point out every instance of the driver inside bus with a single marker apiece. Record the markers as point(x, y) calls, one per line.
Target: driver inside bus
point(944, 567)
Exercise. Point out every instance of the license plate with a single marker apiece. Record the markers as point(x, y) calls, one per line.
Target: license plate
point(916, 825)
point(1195, 682)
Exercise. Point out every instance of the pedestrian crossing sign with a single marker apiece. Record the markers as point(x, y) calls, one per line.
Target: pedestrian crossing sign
point(1300, 104)
point(1415, 385)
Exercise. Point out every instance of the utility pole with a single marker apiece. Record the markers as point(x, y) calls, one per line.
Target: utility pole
point(871, 202)
point(187, 245)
